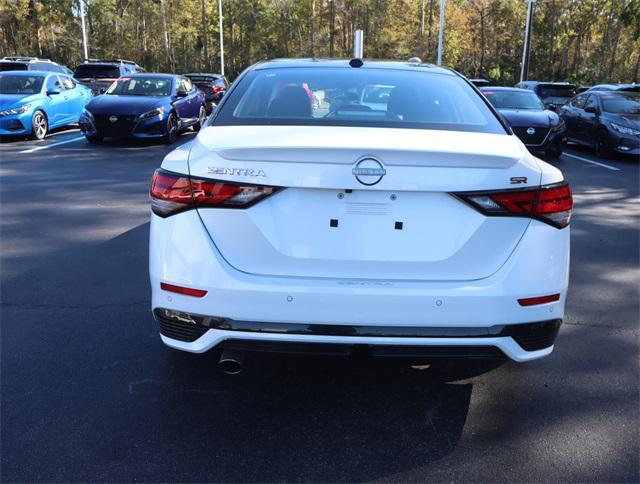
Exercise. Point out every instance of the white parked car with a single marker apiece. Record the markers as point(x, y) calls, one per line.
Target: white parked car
point(425, 229)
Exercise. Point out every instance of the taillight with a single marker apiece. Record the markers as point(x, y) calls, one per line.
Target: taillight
point(549, 203)
point(216, 89)
point(173, 193)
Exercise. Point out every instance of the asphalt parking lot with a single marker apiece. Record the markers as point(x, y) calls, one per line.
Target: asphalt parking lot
point(89, 393)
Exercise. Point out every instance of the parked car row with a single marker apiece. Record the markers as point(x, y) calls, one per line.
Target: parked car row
point(106, 98)
point(544, 115)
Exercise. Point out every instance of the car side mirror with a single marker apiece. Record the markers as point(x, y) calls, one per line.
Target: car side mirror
point(53, 91)
point(181, 94)
point(591, 109)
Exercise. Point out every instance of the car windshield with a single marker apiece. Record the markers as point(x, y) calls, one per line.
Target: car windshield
point(20, 84)
point(330, 96)
point(13, 66)
point(141, 86)
point(621, 103)
point(97, 71)
point(513, 99)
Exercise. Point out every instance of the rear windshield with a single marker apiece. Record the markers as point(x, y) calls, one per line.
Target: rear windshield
point(513, 99)
point(206, 80)
point(550, 91)
point(326, 96)
point(97, 71)
point(13, 66)
point(13, 84)
point(141, 86)
point(621, 103)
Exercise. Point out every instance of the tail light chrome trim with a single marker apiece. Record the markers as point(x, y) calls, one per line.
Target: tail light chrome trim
point(551, 204)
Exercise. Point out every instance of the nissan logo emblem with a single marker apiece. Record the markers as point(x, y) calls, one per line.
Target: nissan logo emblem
point(369, 171)
point(113, 119)
point(531, 131)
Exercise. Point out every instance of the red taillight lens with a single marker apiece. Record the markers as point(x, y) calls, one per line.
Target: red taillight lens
point(217, 89)
point(550, 203)
point(172, 193)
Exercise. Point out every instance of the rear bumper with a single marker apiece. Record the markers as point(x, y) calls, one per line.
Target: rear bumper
point(464, 313)
point(197, 333)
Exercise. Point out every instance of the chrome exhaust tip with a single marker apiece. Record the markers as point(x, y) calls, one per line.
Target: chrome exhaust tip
point(231, 362)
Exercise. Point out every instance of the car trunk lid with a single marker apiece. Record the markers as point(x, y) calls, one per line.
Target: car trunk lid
point(328, 223)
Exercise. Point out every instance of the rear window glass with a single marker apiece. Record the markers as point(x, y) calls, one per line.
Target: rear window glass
point(545, 91)
point(85, 71)
point(201, 78)
point(321, 96)
point(13, 84)
point(13, 66)
point(513, 99)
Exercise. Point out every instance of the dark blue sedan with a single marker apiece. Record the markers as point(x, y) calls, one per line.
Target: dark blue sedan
point(144, 106)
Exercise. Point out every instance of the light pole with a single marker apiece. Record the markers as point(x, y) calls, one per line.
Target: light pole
point(441, 32)
point(524, 68)
point(84, 30)
point(221, 37)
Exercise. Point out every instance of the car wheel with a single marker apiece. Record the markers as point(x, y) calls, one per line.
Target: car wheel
point(601, 145)
point(201, 119)
point(94, 139)
point(39, 124)
point(172, 129)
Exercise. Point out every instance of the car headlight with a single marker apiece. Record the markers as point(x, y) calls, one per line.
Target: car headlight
point(157, 112)
point(10, 112)
point(625, 130)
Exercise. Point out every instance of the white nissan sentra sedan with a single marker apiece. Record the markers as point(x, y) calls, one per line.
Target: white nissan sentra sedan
point(308, 217)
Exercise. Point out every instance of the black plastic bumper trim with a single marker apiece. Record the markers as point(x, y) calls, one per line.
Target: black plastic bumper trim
point(530, 336)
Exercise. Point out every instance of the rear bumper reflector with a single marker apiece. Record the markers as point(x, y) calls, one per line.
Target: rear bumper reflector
point(532, 301)
point(187, 291)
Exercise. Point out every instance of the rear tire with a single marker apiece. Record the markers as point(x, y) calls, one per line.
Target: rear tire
point(172, 129)
point(39, 125)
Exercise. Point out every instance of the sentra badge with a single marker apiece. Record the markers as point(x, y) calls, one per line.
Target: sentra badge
point(217, 170)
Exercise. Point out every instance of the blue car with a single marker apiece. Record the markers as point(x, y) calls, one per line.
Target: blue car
point(144, 106)
point(32, 102)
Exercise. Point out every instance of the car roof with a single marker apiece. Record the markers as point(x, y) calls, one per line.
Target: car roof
point(153, 74)
point(344, 63)
point(613, 86)
point(610, 92)
point(29, 73)
point(203, 74)
point(551, 83)
point(504, 88)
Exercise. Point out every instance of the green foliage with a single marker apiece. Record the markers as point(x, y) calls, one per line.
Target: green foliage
point(585, 41)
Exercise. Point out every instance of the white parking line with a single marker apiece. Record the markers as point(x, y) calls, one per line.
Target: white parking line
point(587, 160)
point(31, 150)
